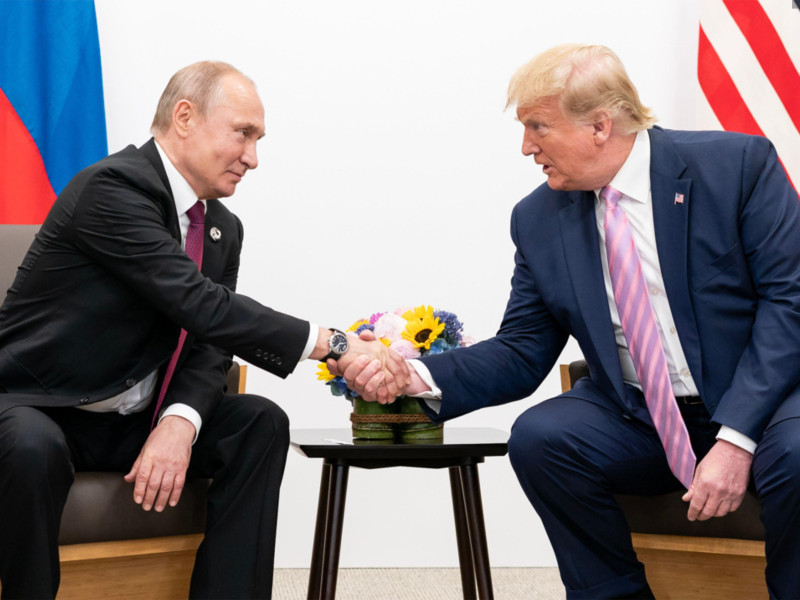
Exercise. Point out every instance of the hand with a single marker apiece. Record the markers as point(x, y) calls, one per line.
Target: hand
point(160, 469)
point(372, 370)
point(720, 482)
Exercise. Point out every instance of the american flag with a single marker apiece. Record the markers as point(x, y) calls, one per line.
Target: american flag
point(747, 67)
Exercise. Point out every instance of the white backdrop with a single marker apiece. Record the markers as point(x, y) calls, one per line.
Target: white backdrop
point(387, 178)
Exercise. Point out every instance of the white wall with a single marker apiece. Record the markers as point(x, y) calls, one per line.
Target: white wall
point(386, 134)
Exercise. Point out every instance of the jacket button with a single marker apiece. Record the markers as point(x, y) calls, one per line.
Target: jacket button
point(84, 400)
point(130, 382)
point(258, 353)
point(278, 360)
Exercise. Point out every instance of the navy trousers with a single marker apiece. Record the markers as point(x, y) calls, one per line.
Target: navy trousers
point(242, 447)
point(571, 455)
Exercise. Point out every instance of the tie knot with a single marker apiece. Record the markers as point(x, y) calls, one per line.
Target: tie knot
point(610, 195)
point(196, 214)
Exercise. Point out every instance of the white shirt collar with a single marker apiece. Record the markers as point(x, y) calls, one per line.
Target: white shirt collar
point(633, 178)
point(182, 192)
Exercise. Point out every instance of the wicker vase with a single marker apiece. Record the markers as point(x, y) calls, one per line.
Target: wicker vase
point(403, 420)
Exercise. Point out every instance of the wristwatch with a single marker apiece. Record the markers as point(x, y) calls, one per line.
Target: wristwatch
point(337, 344)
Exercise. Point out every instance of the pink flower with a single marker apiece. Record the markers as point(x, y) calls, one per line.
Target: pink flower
point(374, 318)
point(467, 340)
point(390, 326)
point(405, 349)
point(403, 310)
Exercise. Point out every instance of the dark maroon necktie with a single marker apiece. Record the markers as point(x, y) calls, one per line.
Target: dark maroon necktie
point(194, 248)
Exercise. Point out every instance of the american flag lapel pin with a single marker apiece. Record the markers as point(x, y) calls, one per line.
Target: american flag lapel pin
point(678, 198)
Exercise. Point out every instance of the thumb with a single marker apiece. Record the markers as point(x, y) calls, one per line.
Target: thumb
point(367, 335)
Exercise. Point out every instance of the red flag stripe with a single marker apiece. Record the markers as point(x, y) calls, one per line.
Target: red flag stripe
point(721, 92)
point(25, 191)
point(770, 53)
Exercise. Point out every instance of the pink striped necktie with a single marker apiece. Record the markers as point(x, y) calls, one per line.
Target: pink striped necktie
point(194, 248)
point(638, 322)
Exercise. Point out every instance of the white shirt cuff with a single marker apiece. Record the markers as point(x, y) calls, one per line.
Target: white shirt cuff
point(188, 413)
point(313, 332)
point(432, 398)
point(736, 438)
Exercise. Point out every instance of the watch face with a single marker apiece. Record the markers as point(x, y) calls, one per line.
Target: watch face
point(338, 343)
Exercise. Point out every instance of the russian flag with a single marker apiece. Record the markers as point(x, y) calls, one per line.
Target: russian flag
point(52, 117)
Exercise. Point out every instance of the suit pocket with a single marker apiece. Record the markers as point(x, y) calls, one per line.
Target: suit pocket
point(705, 275)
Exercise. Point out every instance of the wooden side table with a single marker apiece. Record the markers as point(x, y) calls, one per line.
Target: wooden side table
point(459, 451)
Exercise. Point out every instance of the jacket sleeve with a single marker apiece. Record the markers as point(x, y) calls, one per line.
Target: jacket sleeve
point(509, 366)
point(121, 226)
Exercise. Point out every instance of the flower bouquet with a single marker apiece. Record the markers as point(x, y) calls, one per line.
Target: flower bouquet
point(412, 333)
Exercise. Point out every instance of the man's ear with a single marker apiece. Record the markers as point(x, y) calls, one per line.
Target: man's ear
point(601, 127)
point(183, 117)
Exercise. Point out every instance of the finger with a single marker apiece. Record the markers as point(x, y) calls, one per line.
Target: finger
point(365, 374)
point(177, 490)
point(142, 477)
point(151, 489)
point(723, 509)
point(164, 491)
point(333, 367)
point(696, 506)
point(130, 477)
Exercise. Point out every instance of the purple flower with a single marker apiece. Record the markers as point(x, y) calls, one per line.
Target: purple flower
point(374, 318)
point(452, 326)
point(364, 327)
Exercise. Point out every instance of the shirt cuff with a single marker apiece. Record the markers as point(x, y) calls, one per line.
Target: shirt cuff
point(736, 438)
point(432, 398)
point(313, 332)
point(188, 413)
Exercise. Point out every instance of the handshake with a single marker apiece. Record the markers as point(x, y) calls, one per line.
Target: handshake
point(368, 366)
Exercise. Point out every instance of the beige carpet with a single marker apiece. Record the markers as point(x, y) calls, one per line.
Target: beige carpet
point(422, 584)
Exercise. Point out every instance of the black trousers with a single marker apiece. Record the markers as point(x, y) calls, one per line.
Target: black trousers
point(242, 447)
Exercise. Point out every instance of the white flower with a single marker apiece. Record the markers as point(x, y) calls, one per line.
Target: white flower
point(390, 326)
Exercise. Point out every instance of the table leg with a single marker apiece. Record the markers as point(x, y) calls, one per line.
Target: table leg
point(333, 531)
point(477, 531)
point(318, 551)
point(462, 536)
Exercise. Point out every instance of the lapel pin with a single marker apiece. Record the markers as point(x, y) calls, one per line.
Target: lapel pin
point(678, 199)
point(215, 234)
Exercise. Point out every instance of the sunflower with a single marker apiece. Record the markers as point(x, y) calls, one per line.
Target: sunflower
point(422, 328)
point(358, 324)
point(323, 374)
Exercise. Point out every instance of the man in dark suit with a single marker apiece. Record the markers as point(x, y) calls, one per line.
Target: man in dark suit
point(89, 326)
point(716, 225)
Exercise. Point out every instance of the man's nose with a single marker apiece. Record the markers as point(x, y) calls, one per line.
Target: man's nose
point(529, 145)
point(250, 156)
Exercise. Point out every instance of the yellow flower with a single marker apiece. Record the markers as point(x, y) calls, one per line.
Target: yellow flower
point(423, 328)
point(358, 324)
point(324, 374)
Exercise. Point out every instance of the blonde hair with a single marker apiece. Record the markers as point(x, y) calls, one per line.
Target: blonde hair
point(200, 83)
point(586, 79)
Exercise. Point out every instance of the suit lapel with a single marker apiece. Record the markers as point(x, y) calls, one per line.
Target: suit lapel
point(671, 204)
point(581, 250)
point(213, 242)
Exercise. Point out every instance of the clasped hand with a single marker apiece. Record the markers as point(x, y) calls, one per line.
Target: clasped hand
point(370, 368)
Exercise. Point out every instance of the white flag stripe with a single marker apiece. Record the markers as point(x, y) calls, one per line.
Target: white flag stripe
point(753, 85)
point(786, 21)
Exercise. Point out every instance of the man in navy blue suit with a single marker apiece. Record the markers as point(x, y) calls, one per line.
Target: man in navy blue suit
point(717, 228)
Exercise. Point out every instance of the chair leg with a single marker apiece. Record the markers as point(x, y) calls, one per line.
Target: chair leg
point(477, 531)
point(462, 536)
point(318, 550)
point(333, 531)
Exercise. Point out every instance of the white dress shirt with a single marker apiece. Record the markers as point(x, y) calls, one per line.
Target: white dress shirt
point(633, 181)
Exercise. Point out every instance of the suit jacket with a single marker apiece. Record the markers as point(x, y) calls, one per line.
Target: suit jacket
point(105, 288)
point(730, 258)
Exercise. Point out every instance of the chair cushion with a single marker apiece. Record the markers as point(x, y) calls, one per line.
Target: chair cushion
point(100, 508)
point(666, 514)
